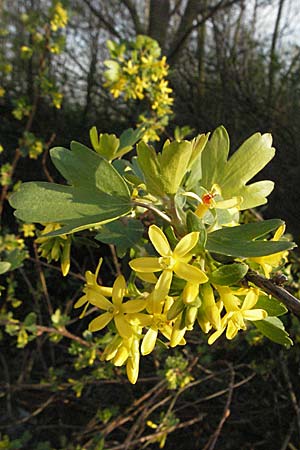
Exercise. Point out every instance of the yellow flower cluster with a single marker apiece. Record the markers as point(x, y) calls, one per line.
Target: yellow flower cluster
point(59, 17)
point(140, 74)
point(160, 310)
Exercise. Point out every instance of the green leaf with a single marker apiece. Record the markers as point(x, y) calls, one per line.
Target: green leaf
point(128, 139)
point(4, 267)
point(108, 146)
point(174, 161)
point(238, 241)
point(98, 193)
point(232, 175)
point(271, 305)
point(228, 274)
point(122, 234)
point(104, 144)
point(194, 223)
point(15, 258)
point(113, 72)
point(273, 329)
point(94, 138)
point(149, 164)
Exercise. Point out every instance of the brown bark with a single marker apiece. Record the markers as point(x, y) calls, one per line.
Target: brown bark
point(159, 21)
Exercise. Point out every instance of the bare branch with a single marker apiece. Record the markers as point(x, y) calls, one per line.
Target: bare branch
point(103, 20)
point(139, 28)
point(206, 14)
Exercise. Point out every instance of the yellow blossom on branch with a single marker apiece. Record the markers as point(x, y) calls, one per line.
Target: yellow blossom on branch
point(171, 261)
point(116, 310)
point(234, 319)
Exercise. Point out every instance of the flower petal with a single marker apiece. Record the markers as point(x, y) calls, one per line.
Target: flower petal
point(148, 277)
point(132, 368)
point(121, 356)
point(149, 341)
point(147, 264)
point(100, 322)
point(250, 300)
point(134, 306)
point(159, 241)
point(81, 301)
point(161, 290)
point(123, 327)
point(232, 330)
point(186, 244)
point(255, 314)
point(215, 336)
point(119, 289)
point(140, 319)
point(190, 273)
point(99, 300)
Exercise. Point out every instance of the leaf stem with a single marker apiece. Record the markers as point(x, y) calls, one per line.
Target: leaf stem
point(154, 209)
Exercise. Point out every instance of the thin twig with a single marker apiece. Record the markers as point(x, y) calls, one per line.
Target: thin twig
point(153, 437)
point(291, 391)
point(36, 412)
point(44, 158)
point(43, 280)
point(115, 260)
point(226, 413)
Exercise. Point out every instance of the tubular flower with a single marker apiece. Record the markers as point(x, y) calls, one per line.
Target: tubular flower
point(268, 262)
point(92, 290)
point(209, 312)
point(170, 261)
point(125, 351)
point(208, 201)
point(116, 310)
point(234, 319)
point(159, 322)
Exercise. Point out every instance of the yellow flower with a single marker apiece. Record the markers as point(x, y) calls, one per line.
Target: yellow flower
point(131, 69)
point(28, 229)
point(125, 350)
point(234, 319)
point(92, 289)
point(268, 262)
point(209, 312)
point(2, 91)
point(60, 17)
point(207, 201)
point(170, 261)
point(116, 310)
point(158, 321)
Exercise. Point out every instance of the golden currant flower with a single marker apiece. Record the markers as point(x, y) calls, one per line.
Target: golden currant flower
point(92, 289)
point(116, 310)
point(234, 319)
point(209, 312)
point(170, 260)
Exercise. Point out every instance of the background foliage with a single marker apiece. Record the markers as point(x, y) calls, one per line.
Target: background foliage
point(229, 63)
